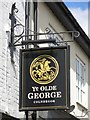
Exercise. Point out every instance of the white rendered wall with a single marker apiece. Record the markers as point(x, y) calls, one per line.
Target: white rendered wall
point(9, 72)
point(47, 18)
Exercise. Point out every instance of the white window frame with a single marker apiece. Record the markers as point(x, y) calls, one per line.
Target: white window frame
point(50, 35)
point(80, 80)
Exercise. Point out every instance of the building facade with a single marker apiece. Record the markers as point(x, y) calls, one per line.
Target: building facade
point(9, 71)
point(55, 18)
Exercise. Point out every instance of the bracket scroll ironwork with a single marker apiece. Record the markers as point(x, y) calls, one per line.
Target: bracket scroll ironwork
point(14, 26)
point(18, 39)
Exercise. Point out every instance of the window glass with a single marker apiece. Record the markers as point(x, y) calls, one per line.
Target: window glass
point(80, 76)
point(52, 34)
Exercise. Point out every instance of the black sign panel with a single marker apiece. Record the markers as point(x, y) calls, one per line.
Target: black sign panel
point(44, 79)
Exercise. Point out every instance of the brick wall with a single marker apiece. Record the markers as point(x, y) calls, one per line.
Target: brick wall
point(9, 72)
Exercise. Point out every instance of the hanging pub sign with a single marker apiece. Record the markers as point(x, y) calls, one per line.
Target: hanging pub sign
point(44, 79)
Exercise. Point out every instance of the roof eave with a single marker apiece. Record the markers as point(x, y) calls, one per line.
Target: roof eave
point(69, 22)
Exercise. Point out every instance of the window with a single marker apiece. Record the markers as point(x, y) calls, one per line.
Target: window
point(52, 34)
point(80, 79)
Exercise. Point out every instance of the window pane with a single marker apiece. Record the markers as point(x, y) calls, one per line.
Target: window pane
point(77, 66)
point(80, 72)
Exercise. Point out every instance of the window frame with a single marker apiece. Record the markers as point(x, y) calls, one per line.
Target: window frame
point(80, 80)
point(52, 34)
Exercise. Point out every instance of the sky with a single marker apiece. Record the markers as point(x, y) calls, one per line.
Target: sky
point(80, 10)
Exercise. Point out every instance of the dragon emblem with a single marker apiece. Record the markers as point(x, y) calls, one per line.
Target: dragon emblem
point(43, 69)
